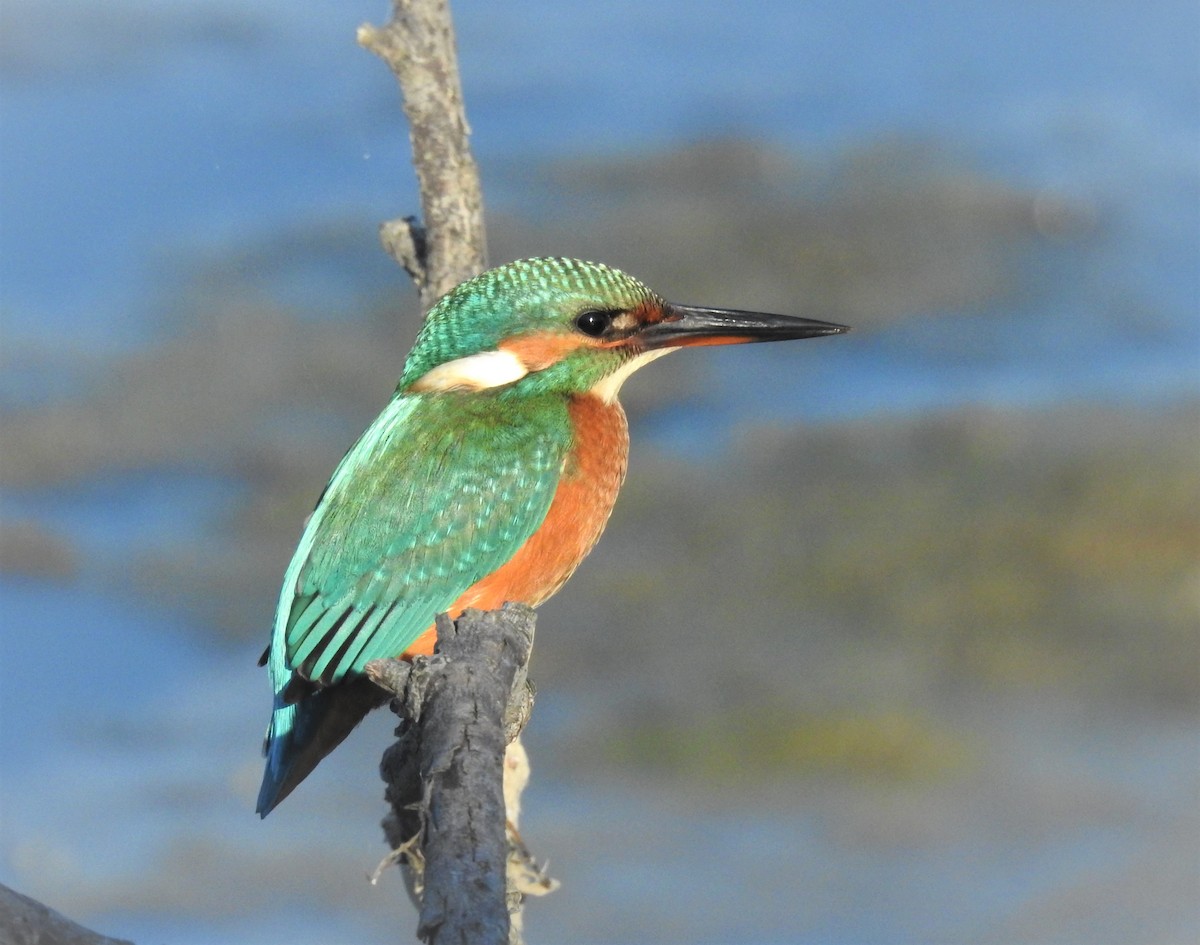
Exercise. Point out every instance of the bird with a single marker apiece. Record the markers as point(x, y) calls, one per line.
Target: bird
point(487, 478)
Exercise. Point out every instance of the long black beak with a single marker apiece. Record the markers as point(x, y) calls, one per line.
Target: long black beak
point(686, 325)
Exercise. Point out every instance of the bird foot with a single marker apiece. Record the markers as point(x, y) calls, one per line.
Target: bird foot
point(410, 851)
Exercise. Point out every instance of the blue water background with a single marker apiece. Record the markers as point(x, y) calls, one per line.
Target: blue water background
point(141, 137)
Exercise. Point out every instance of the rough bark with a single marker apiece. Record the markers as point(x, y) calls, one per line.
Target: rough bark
point(25, 921)
point(448, 244)
point(453, 785)
point(450, 820)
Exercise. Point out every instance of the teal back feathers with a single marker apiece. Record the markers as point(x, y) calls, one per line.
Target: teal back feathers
point(438, 493)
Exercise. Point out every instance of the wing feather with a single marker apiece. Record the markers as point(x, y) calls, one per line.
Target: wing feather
point(439, 492)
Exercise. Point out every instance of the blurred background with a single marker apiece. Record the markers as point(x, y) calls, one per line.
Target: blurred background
point(892, 638)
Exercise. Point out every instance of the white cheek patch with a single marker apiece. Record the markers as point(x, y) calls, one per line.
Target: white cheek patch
point(475, 372)
point(608, 387)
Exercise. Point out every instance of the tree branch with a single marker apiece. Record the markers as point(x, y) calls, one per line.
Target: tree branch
point(458, 709)
point(453, 786)
point(25, 921)
point(449, 246)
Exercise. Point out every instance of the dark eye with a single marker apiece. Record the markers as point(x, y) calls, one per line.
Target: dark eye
point(593, 323)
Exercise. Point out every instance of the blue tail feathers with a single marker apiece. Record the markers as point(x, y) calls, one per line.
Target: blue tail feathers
point(300, 735)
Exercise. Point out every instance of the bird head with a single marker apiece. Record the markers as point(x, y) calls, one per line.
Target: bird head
point(562, 325)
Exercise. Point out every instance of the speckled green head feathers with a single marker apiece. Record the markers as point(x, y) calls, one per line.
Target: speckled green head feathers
point(530, 296)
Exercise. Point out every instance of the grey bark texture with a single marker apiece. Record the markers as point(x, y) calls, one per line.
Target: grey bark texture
point(459, 709)
point(448, 244)
point(456, 773)
point(25, 921)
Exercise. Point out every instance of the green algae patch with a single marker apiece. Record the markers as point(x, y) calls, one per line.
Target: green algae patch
point(881, 746)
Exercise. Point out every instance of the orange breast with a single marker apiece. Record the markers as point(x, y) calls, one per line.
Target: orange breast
point(593, 474)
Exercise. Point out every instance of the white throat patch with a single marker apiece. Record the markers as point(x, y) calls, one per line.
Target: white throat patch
point(474, 372)
point(608, 387)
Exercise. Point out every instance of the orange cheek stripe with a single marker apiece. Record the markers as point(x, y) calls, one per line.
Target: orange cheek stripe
point(538, 350)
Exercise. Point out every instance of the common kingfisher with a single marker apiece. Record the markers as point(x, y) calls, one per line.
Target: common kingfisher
point(487, 478)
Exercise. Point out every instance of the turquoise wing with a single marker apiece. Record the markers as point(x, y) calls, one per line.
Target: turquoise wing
point(440, 491)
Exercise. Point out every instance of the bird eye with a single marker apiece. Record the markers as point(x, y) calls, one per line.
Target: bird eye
point(593, 323)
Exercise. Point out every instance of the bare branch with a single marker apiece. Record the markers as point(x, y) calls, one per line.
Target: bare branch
point(445, 773)
point(449, 245)
point(453, 786)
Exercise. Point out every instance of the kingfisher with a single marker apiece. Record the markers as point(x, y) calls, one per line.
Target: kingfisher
point(487, 478)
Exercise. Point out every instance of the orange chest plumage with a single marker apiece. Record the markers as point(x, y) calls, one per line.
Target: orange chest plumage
point(591, 478)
